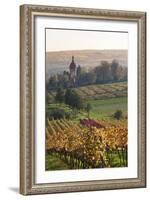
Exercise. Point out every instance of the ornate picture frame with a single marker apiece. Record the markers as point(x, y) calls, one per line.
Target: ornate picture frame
point(28, 79)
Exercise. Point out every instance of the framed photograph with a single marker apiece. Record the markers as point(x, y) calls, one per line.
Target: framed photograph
point(82, 99)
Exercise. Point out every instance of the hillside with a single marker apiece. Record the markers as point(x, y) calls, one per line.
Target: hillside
point(57, 62)
point(100, 91)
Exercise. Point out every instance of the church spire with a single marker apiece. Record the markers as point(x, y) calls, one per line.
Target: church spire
point(72, 64)
point(72, 58)
point(72, 68)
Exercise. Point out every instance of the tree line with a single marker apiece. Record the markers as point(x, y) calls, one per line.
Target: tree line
point(104, 73)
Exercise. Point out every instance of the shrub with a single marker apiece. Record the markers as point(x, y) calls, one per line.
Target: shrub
point(118, 114)
point(58, 114)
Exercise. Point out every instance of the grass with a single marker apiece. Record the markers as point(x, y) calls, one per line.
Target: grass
point(101, 109)
point(106, 108)
point(62, 106)
point(54, 163)
point(116, 160)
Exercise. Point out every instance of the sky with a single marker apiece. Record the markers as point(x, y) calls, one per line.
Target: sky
point(61, 40)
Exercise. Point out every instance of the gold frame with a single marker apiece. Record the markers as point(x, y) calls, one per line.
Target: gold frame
point(27, 176)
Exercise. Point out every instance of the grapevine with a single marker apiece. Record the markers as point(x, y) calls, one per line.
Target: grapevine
point(89, 145)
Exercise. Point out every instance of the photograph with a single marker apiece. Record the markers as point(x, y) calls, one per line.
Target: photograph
point(82, 99)
point(86, 99)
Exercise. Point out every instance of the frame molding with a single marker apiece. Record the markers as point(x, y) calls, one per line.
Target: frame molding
point(27, 182)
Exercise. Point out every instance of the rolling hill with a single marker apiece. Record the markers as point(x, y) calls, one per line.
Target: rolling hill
point(57, 62)
point(99, 91)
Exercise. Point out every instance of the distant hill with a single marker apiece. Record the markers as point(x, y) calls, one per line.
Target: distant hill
point(57, 62)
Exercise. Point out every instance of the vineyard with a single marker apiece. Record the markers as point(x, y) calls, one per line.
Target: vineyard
point(88, 143)
point(98, 91)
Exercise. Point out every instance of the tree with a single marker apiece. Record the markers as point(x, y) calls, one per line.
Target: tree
point(88, 109)
point(65, 80)
point(87, 78)
point(125, 73)
point(68, 96)
point(106, 69)
point(91, 77)
point(122, 73)
point(76, 101)
point(53, 82)
point(114, 70)
point(59, 95)
point(78, 71)
point(73, 99)
point(99, 74)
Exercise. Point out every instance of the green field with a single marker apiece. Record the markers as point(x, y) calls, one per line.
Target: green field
point(53, 162)
point(106, 108)
point(105, 99)
point(99, 108)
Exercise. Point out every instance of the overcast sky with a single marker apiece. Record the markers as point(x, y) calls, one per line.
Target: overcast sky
point(60, 40)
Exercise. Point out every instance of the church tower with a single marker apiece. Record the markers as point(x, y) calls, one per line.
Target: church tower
point(72, 68)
